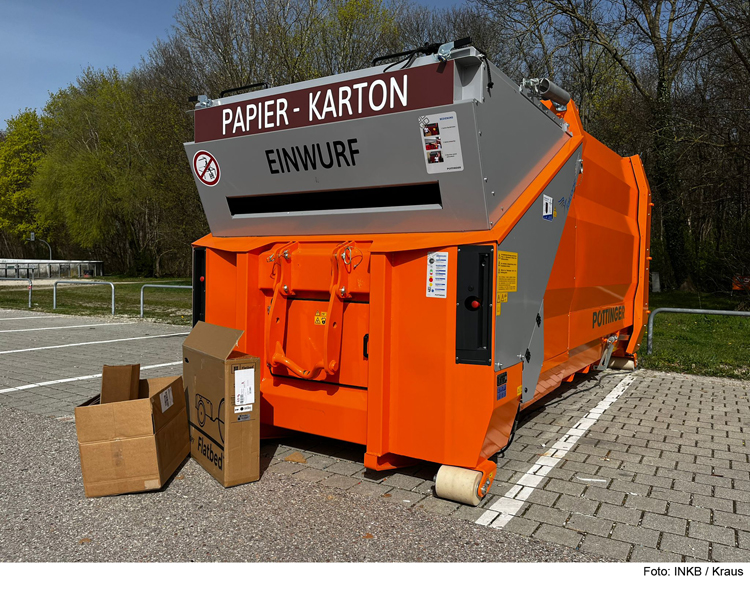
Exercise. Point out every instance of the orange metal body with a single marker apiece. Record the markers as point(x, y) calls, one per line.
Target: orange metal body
point(305, 304)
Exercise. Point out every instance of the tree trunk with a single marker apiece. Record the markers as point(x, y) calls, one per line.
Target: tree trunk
point(666, 185)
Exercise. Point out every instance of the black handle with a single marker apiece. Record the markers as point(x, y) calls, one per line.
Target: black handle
point(223, 93)
point(366, 342)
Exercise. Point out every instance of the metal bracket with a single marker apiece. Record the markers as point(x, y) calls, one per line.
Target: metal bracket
point(607, 353)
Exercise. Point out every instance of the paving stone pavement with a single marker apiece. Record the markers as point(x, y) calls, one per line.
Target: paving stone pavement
point(20, 367)
point(662, 475)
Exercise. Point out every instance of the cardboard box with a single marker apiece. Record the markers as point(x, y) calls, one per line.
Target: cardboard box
point(133, 445)
point(223, 396)
point(122, 383)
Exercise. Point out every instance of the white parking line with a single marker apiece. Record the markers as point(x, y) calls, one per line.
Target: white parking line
point(35, 317)
point(157, 336)
point(77, 379)
point(62, 327)
point(504, 509)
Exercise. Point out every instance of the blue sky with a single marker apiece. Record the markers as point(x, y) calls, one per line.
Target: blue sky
point(46, 44)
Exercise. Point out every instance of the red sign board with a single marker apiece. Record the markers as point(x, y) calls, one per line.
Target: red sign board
point(392, 92)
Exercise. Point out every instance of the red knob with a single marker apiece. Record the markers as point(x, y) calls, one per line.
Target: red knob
point(202, 278)
point(475, 304)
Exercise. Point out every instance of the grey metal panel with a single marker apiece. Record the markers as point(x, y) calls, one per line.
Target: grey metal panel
point(506, 141)
point(533, 368)
point(536, 241)
point(391, 152)
point(517, 141)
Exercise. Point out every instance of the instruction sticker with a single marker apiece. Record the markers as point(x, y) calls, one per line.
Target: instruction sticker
point(440, 142)
point(167, 399)
point(547, 208)
point(437, 274)
point(507, 271)
point(244, 387)
point(320, 318)
point(243, 408)
point(502, 297)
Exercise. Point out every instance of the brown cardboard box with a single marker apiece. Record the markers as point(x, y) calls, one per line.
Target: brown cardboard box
point(133, 445)
point(223, 397)
point(122, 383)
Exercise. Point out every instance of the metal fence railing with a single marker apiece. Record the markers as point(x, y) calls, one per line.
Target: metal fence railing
point(161, 286)
point(650, 337)
point(31, 286)
point(54, 290)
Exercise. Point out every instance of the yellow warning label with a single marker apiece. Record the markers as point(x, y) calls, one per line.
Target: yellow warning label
point(320, 317)
point(507, 271)
point(519, 390)
point(501, 297)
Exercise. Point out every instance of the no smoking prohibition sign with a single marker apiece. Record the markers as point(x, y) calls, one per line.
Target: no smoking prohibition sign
point(206, 168)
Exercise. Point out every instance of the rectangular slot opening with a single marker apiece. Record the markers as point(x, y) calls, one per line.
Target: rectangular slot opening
point(425, 195)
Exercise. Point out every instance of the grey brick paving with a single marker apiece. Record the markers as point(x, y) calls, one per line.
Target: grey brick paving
point(639, 536)
point(344, 468)
point(712, 533)
point(619, 514)
point(740, 522)
point(471, 514)
point(525, 527)
point(438, 506)
point(558, 535)
point(713, 503)
point(590, 525)
point(729, 554)
point(370, 489)
point(642, 554)
point(402, 497)
point(686, 546)
point(606, 547)
point(611, 497)
point(689, 512)
point(546, 515)
point(646, 504)
point(340, 481)
point(404, 482)
point(311, 475)
point(576, 505)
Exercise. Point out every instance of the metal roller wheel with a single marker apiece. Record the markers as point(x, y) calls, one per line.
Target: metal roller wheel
point(458, 484)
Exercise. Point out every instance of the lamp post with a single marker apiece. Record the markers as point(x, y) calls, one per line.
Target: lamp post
point(34, 239)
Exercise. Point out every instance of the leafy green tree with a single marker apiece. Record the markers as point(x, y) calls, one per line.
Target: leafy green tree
point(20, 153)
point(104, 174)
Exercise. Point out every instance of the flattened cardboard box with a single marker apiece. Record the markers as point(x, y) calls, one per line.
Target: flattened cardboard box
point(222, 388)
point(133, 445)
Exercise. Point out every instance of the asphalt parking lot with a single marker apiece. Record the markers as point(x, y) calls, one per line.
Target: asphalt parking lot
point(640, 467)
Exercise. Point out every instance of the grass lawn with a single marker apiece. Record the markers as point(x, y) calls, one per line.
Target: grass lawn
point(168, 305)
point(699, 344)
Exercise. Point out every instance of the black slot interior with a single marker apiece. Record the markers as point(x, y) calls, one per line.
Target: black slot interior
point(474, 305)
point(372, 197)
point(199, 284)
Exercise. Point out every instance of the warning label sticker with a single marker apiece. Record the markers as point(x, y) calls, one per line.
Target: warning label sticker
point(502, 297)
point(440, 142)
point(547, 208)
point(437, 274)
point(244, 387)
point(206, 168)
point(320, 318)
point(507, 271)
